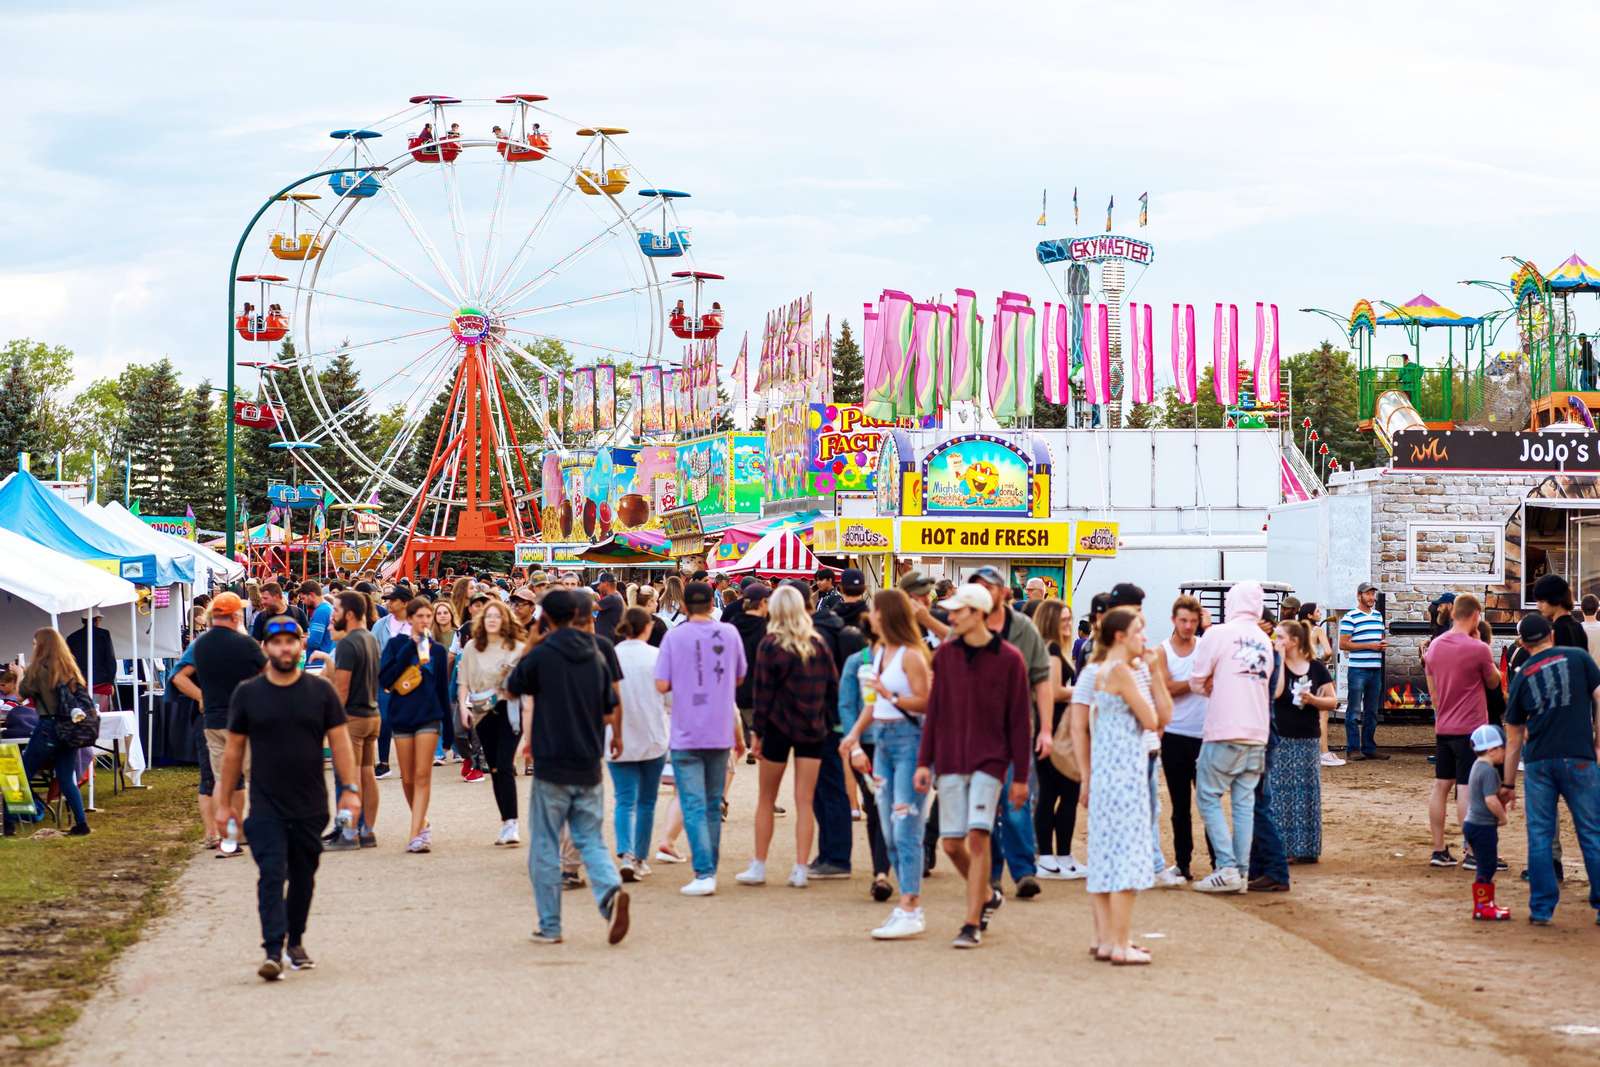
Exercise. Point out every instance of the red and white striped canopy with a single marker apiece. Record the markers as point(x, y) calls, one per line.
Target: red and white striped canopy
point(779, 554)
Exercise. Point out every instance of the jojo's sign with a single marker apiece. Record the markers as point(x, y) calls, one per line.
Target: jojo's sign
point(1485, 451)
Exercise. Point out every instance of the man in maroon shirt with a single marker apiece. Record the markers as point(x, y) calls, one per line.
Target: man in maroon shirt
point(1460, 671)
point(976, 726)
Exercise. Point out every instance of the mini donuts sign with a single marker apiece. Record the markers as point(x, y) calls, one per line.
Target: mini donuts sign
point(470, 326)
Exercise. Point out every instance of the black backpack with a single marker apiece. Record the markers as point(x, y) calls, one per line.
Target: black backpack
point(85, 731)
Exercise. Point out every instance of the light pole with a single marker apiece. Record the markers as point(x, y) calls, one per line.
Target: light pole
point(230, 503)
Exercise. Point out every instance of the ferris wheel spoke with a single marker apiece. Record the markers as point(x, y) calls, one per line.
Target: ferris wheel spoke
point(350, 236)
point(491, 243)
point(573, 342)
point(553, 271)
point(566, 305)
point(329, 293)
point(540, 412)
point(335, 420)
point(312, 357)
point(458, 228)
point(403, 209)
point(564, 194)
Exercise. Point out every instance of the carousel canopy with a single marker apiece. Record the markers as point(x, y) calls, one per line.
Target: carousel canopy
point(1575, 276)
point(779, 554)
point(1423, 310)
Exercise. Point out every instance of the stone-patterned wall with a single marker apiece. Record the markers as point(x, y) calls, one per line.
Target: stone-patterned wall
point(1398, 498)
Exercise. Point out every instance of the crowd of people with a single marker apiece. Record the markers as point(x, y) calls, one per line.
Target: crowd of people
point(967, 721)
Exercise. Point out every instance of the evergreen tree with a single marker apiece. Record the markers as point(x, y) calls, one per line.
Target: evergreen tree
point(1048, 416)
point(197, 471)
point(255, 460)
point(847, 366)
point(155, 437)
point(1327, 392)
point(1143, 417)
point(21, 428)
point(347, 402)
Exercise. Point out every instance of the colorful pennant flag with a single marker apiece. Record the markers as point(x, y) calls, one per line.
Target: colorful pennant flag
point(1044, 200)
point(1266, 365)
point(1144, 209)
point(1111, 203)
point(964, 355)
point(1183, 362)
point(1141, 363)
point(1225, 355)
point(1096, 354)
point(1075, 205)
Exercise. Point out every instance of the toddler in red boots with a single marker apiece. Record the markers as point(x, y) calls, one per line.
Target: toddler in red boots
point(1485, 815)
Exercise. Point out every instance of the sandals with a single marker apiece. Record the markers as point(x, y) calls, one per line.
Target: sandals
point(1133, 957)
point(419, 843)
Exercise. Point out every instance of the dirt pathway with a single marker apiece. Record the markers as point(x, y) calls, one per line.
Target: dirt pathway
point(423, 958)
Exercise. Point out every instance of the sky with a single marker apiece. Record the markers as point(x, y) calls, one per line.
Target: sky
point(1292, 153)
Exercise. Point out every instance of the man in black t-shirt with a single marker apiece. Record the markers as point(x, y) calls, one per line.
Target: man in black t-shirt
point(285, 714)
point(355, 679)
point(274, 603)
point(223, 657)
point(1554, 597)
point(609, 611)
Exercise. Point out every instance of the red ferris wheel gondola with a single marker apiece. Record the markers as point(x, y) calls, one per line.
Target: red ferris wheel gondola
point(432, 144)
point(264, 321)
point(689, 323)
point(522, 143)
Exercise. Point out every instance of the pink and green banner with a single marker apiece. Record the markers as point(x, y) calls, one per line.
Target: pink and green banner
point(886, 394)
point(965, 355)
point(923, 365)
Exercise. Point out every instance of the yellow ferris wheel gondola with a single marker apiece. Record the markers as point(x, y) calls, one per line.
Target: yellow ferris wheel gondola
point(294, 244)
point(608, 180)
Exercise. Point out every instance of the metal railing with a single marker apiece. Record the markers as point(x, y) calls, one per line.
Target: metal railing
point(1440, 394)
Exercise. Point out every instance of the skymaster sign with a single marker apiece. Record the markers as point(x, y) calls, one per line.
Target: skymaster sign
point(1512, 453)
point(1097, 249)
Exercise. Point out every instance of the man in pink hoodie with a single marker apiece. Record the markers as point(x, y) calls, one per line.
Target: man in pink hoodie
point(1232, 666)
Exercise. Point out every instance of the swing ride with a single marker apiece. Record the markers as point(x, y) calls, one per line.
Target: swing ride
point(464, 278)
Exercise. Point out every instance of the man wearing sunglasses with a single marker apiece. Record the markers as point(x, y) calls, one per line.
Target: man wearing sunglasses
point(284, 714)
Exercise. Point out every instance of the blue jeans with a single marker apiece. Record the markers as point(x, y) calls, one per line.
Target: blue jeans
point(385, 738)
point(1268, 857)
point(1013, 834)
point(1156, 857)
point(42, 751)
point(1577, 781)
point(698, 774)
point(1227, 767)
point(894, 765)
point(636, 783)
point(1361, 712)
point(831, 805)
point(581, 809)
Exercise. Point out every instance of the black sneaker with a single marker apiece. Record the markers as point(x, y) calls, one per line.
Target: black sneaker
point(995, 900)
point(969, 937)
point(1468, 859)
point(826, 871)
point(1500, 865)
point(881, 889)
point(381, 771)
point(1376, 755)
point(299, 959)
point(79, 829)
point(270, 970)
point(341, 843)
point(1442, 858)
point(332, 835)
point(369, 840)
point(1027, 887)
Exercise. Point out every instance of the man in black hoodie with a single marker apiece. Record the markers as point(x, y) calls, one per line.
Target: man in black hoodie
point(568, 701)
point(751, 622)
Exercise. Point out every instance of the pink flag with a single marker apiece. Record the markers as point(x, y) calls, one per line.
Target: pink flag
point(871, 355)
point(1266, 366)
point(1056, 369)
point(964, 358)
point(636, 416)
point(1183, 372)
point(997, 373)
point(1008, 297)
point(1142, 364)
point(944, 351)
point(1225, 355)
point(1097, 354)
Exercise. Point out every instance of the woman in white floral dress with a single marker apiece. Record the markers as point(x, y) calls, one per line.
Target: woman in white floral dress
point(1118, 795)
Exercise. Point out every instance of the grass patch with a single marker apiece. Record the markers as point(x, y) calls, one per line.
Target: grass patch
point(70, 905)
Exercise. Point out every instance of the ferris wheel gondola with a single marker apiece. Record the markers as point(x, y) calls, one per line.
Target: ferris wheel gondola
point(351, 184)
point(262, 321)
point(293, 244)
point(668, 242)
point(434, 143)
point(689, 323)
point(606, 179)
point(522, 143)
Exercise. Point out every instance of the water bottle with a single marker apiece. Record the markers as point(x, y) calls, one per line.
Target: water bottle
point(230, 843)
point(346, 824)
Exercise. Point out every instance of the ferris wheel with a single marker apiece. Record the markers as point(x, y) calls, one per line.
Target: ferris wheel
point(465, 237)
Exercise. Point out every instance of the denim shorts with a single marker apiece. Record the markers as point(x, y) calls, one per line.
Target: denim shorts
point(434, 727)
point(967, 802)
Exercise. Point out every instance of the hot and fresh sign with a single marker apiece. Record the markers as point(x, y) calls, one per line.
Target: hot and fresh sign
point(974, 537)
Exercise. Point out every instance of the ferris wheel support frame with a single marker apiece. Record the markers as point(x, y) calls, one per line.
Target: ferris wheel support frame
point(230, 502)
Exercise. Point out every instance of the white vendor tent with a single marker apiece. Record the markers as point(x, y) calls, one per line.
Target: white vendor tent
point(38, 586)
point(779, 554)
point(124, 521)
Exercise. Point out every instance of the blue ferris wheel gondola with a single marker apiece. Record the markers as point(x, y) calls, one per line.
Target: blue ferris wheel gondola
point(667, 243)
point(356, 185)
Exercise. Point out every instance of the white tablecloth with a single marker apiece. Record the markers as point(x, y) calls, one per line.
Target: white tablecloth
point(116, 725)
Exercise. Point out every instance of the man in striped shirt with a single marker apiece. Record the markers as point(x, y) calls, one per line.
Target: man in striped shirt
point(1361, 640)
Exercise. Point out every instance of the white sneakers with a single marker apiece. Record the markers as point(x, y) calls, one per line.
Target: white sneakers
point(797, 877)
point(508, 834)
point(1225, 880)
point(1061, 868)
point(1331, 759)
point(755, 874)
point(901, 924)
point(1171, 878)
point(700, 887)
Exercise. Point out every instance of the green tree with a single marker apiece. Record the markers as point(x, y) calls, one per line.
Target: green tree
point(1143, 417)
point(847, 366)
point(348, 402)
point(1326, 391)
point(1048, 416)
point(155, 437)
point(197, 470)
point(21, 411)
point(255, 460)
point(48, 372)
